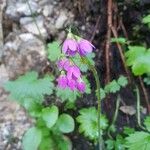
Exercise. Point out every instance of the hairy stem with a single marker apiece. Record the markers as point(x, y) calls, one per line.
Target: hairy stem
point(92, 68)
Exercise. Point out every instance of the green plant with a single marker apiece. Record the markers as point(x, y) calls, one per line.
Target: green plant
point(139, 139)
point(146, 20)
point(138, 57)
point(89, 124)
point(114, 86)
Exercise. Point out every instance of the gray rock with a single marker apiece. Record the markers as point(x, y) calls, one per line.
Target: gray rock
point(15, 9)
point(61, 20)
point(3, 75)
point(47, 10)
point(28, 24)
point(23, 53)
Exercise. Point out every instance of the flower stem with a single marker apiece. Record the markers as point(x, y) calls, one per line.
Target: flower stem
point(92, 68)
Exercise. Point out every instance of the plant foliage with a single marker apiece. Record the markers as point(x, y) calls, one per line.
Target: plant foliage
point(88, 122)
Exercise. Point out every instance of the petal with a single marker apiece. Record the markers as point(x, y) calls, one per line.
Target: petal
point(72, 84)
point(81, 87)
point(85, 47)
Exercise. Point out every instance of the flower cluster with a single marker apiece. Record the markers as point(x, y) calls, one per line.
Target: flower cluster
point(70, 73)
point(71, 47)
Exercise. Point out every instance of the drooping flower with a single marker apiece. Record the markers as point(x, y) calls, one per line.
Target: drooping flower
point(62, 81)
point(73, 72)
point(85, 47)
point(70, 47)
point(63, 64)
point(81, 86)
point(72, 84)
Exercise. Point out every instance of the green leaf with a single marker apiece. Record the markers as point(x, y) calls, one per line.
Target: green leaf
point(29, 86)
point(102, 93)
point(32, 139)
point(128, 131)
point(138, 140)
point(147, 123)
point(47, 144)
point(65, 123)
point(67, 95)
point(54, 51)
point(50, 115)
point(32, 107)
point(139, 59)
point(146, 19)
point(88, 86)
point(122, 81)
point(147, 79)
point(112, 87)
point(120, 40)
point(88, 122)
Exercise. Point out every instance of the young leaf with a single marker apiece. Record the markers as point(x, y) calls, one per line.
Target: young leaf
point(32, 139)
point(147, 123)
point(122, 81)
point(88, 122)
point(54, 51)
point(138, 140)
point(50, 115)
point(112, 87)
point(29, 86)
point(65, 123)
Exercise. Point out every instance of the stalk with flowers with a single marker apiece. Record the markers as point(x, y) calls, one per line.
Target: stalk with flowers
point(70, 74)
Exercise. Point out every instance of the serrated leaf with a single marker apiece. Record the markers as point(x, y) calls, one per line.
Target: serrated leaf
point(139, 59)
point(50, 115)
point(102, 93)
point(29, 86)
point(128, 130)
point(88, 122)
point(122, 81)
point(138, 140)
point(32, 139)
point(54, 51)
point(120, 40)
point(88, 86)
point(112, 87)
point(146, 19)
point(147, 123)
point(67, 94)
point(65, 123)
point(33, 108)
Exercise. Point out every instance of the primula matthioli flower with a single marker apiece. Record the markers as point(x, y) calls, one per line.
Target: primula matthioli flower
point(70, 47)
point(85, 47)
point(73, 72)
point(63, 64)
point(62, 81)
point(72, 84)
point(81, 86)
point(72, 75)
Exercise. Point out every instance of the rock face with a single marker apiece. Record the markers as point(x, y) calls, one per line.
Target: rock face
point(18, 8)
point(29, 25)
point(23, 52)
